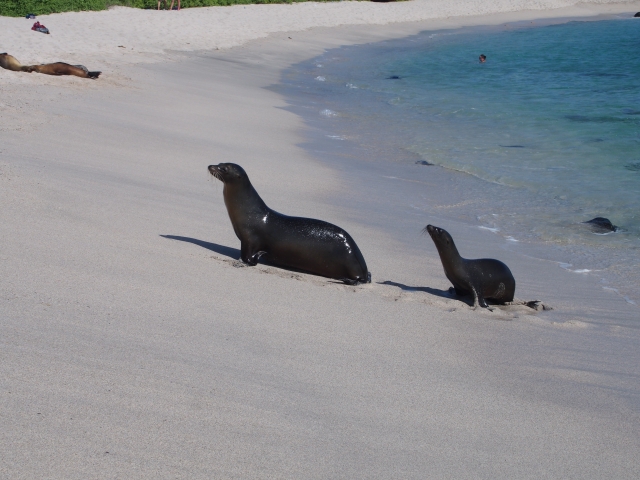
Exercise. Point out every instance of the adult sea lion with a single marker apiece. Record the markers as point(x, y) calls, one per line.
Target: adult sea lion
point(10, 62)
point(484, 278)
point(60, 68)
point(305, 244)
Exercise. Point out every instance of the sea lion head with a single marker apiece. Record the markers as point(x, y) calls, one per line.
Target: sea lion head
point(228, 173)
point(439, 235)
point(442, 239)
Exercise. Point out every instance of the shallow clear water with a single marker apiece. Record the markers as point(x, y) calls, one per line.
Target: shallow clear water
point(553, 115)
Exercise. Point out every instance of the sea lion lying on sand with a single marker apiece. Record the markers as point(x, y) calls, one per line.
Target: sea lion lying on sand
point(60, 68)
point(9, 62)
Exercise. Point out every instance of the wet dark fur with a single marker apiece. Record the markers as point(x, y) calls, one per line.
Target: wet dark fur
point(305, 244)
point(484, 278)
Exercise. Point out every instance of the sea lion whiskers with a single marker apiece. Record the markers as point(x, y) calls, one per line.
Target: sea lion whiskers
point(213, 170)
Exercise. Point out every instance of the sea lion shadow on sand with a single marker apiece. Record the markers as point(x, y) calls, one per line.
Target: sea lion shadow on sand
point(230, 252)
point(433, 291)
point(515, 306)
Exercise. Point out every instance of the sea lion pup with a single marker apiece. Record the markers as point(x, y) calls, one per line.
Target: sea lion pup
point(10, 62)
point(60, 68)
point(484, 278)
point(304, 244)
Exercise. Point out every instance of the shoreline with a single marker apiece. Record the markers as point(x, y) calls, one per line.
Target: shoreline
point(132, 343)
point(124, 35)
point(579, 256)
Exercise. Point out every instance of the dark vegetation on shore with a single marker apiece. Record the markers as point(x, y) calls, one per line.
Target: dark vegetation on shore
point(20, 8)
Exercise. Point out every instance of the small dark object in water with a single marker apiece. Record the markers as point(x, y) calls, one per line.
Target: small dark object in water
point(512, 146)
point(634, 167)
point(393, 77)
point(603, 74)
point(637, 15)
point(423, 162)
point(602, 225)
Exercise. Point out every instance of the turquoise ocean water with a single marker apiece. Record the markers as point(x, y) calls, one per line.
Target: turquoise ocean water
point(552, 118)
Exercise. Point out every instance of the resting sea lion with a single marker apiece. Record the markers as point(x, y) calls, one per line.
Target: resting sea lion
point(602, 225)
point(11, 63)
point(483, 278)
point(60, 68)
point(305, 244)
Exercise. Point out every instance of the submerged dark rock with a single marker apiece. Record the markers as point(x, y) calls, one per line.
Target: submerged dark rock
point(633, 167)
point(393, 77)
point(601, 225)
point(423, 162)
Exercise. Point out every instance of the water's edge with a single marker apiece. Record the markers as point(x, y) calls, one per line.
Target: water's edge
point(364, 156)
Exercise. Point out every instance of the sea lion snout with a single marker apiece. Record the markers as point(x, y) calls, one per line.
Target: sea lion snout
point(228, 172)
point(433, 231)
point(215, 171)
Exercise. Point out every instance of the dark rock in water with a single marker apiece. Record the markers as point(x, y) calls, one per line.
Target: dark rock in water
point(423, 162)
point(393, 77)
point(600, 119)
point(633, 167)
point(637, 14)
point(603, 74)
point(577, 118)
point(601, 225)
point(512, 146)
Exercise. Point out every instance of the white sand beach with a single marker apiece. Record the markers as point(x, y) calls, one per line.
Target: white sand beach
point(133, 346)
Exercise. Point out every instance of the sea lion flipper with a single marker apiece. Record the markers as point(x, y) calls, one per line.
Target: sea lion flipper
point(249, 254)
point(87, 72)
point(357, 281)
point(478, 300)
